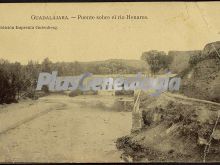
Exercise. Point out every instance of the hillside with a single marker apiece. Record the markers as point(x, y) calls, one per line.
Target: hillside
point(116, 66)
point(173, 130)
point(181, 59)
point(131, 63)
point(202, 80)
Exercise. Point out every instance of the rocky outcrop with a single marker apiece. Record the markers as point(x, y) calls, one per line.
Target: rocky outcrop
point(212, 49)
point(203, 78)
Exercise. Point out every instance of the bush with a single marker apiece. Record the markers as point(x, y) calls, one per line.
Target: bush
point(75, 93)
point(124, 92)
point(45, 89)
point(194, 59)
point(7, 89)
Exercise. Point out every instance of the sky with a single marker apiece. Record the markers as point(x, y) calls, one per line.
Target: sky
point(170, 26)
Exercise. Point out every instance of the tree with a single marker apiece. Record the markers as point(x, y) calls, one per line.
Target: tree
point(8, 78)
point(46, 65)
point(77, 68)
point(4, 86)
point(16, 77)
point(157, 60)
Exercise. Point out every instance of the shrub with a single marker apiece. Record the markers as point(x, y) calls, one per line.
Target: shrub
point(75, 93)
point(7, 89)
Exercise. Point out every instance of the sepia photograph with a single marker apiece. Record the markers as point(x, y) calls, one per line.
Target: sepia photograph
point(113, 82)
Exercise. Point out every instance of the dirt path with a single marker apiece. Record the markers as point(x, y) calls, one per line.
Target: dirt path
point(62, 129)
point(193, 100)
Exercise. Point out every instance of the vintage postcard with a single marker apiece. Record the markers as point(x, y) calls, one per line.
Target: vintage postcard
point(110, 82)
